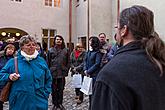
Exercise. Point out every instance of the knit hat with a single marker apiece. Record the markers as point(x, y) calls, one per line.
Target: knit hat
point(9, 46)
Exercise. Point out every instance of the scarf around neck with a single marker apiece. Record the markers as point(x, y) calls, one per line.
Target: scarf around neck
point(77, 54)
point(29, 57)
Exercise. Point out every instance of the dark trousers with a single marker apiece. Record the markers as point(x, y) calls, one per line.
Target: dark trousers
point(58, 85)
point(90, 96)
point(79, 93)
point(1, 105)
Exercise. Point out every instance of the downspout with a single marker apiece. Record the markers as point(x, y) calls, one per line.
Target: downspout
point(88, 24)
point(70, 25)
point(118, 10)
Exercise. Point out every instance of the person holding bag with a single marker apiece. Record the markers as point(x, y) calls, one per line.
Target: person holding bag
point(92, 62)
point(31, 87)
point(77, 58)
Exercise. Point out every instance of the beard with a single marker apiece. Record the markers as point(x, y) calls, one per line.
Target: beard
point(58, 43)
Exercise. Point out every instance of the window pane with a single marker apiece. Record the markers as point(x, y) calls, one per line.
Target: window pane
point(50, 2)
point(46, 2)
point(45, 32)
point(57, 3)
point(52, 33)
point(16, 0)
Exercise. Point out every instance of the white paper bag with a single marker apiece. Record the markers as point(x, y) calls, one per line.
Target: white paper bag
point(86, 87)
point(77, 80)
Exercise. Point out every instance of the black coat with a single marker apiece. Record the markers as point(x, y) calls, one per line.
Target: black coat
point(58, 62)
point(130, 81)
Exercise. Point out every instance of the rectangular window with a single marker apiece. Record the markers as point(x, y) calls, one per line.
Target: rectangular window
point(52, 32)
point(48, 36)
point(57, 3)
point(17, 0)
point(48, 2)
point(53, 3)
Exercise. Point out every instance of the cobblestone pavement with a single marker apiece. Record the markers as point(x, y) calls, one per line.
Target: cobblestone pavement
point(69, 101)
point(69, 98)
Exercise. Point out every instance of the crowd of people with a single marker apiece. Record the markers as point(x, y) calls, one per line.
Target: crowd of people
point(126, 76)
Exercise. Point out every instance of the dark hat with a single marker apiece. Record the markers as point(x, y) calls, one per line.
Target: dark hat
point(9, 46)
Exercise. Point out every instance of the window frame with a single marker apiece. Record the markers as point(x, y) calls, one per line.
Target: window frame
point(53, 3)
point(16, 0)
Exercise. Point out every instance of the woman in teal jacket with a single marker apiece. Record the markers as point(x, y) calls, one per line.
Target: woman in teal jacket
point(32, 86)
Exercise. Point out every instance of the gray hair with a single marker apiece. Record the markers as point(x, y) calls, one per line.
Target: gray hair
point(25, 39)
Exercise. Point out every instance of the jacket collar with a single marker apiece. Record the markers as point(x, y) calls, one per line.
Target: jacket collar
point(130, 46)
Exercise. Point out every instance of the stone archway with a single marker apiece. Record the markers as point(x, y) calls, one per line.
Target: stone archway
point(8, 33)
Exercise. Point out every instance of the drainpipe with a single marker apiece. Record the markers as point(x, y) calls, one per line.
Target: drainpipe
point(88, 24)
point(70, 25)
point(118, 10)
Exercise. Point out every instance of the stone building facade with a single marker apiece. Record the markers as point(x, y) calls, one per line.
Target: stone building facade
point(43, 19)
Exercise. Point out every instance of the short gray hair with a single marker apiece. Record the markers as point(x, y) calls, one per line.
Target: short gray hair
point(25, 39)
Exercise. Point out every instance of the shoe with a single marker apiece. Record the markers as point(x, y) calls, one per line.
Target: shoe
point(77, 97)
point(62, 107)
point(55, 108)
point(79, 101)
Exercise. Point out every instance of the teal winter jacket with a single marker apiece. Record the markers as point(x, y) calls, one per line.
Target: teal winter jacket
point(32, 89)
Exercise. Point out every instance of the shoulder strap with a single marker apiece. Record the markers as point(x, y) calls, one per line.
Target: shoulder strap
point(16, 65)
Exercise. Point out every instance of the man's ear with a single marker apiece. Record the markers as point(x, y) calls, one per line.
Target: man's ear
point(124, 31)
